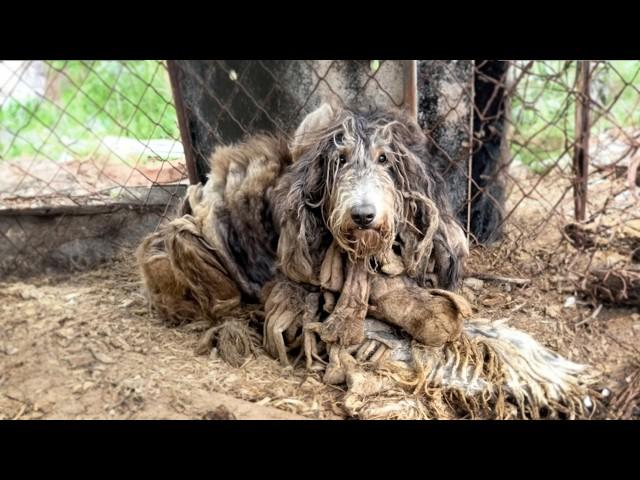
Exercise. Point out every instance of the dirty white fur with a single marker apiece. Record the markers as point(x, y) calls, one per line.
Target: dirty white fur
point(533, 374)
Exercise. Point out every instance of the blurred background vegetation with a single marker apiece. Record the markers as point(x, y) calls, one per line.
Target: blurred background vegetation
point(543, 107)
point(84, 102)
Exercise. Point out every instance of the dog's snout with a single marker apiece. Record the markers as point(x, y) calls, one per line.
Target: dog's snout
point(363, 215)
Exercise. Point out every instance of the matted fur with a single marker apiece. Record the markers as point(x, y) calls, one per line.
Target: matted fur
point(273, 230)
point(310, 198)
point(212, 262)
point(492, 372)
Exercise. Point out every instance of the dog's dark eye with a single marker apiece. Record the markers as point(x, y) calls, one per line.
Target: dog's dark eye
point(382, 158)
point(342, 159)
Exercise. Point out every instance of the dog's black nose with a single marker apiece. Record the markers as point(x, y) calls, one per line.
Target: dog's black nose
point(363, 215)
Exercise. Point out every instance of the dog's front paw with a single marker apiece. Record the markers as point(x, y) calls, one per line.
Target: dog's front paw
point(342, 330)
point(288, 307)
point(432, 317)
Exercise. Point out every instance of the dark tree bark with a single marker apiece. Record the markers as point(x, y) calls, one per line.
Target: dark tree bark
point(457, 102)
point(224, 100)
point(444, 112)
point(490, 152)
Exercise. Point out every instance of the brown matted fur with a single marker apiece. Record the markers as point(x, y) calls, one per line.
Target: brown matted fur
point(269, 210)
point(311, 241)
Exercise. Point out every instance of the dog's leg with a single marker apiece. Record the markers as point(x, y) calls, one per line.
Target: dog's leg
point(288, 306)
point(345, 325)
point(432, 317)
point(184, 280)
point(312, 307)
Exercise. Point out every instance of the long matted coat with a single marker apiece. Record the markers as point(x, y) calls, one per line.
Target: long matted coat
point(342, 247)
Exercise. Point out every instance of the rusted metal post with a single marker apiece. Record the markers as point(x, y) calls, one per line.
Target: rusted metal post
point(183, 123)
point(581, 146)
point(411, 87)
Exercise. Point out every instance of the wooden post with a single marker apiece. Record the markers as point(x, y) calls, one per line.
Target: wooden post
point(581, 146)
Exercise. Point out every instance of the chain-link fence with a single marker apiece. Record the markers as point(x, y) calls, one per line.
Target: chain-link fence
point(90, 159)
point(72, 129)
point(540, 156)
point(563, 180)
point(223, 101)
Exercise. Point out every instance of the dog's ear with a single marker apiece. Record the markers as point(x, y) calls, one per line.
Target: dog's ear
point(311, 128)
point(300, 197)
point(421, 222)
point(431, 240)
point(302, 234)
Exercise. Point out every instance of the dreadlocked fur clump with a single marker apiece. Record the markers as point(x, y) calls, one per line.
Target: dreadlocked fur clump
point(210, 264)
point(492, 372)
point(342, 249)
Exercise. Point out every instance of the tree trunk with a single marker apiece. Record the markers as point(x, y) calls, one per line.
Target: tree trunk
point(457, 102)
point(224, 100)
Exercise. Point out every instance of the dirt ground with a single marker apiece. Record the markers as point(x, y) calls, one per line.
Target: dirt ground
point(80, 346)
point(85, 346)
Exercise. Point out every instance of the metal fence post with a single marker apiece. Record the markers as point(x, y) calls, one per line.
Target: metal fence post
point(183, 122)
point(581, 146)
point(411, 88)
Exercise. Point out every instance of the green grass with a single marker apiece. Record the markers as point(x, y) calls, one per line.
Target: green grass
point(96, 99)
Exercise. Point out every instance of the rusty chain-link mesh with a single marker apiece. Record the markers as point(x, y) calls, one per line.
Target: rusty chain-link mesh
point(509, 137)
point(566, 176)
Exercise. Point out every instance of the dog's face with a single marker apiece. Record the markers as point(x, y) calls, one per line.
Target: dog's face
point(363, 206)
point(364, 178)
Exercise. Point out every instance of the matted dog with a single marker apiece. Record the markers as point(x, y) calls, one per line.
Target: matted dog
point(342, 245)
